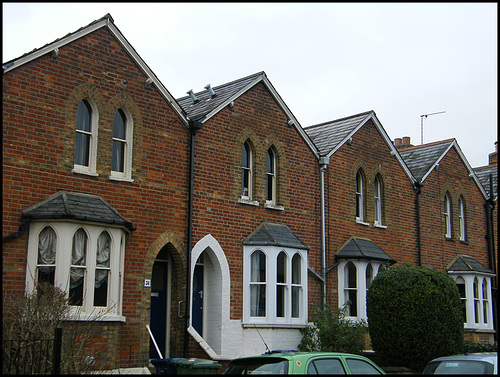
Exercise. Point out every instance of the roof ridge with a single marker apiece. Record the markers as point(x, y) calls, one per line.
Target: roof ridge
point(340, 119)
point(431, 144)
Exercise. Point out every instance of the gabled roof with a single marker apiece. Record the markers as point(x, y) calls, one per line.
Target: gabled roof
point(76, 206)
point(363, 248)
point(269, 234)
point(107, 22)
point(465, 263)
point(206, 106)
point(422, 159)
point(330, 136)
point(483, 174)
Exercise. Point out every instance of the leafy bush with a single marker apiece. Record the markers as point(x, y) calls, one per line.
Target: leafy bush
point(479, 347)
point(414, 315)
point(331, 332)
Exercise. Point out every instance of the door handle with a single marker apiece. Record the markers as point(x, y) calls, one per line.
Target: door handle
point(179, 309)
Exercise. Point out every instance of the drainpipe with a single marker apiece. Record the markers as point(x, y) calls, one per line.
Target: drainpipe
point(22, 229)
point(194, 127)
point(490, 206)
point(323, 161)
point(417, 186)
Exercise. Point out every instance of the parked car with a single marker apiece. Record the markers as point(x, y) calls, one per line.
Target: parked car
point(303, 363)
point(471, 363)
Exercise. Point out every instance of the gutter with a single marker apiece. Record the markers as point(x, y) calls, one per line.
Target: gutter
point(323, 161)
point(194, 127)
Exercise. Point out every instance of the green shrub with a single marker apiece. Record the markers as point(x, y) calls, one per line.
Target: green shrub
point(414, 315)
point(331, 332)
point(479, 347)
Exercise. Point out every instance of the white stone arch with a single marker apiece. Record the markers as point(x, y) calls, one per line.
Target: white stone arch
point(217, 295)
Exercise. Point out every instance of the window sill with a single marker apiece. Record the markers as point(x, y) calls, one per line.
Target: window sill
point(273, 206)
point(248, 202)
point(377, 225)
point(84, 172)
point(362, 222)
point(120, 179)
point(96, 318)
point(273, 326)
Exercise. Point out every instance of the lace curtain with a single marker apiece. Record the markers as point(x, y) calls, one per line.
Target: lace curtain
point(78, 258)
point(47, 251)
point(102, 261)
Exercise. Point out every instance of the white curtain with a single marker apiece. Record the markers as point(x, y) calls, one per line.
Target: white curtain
point(103, 250)
point(78, 257)
point(47, 249)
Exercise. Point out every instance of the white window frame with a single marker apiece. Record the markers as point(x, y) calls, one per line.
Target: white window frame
point(361, 286)
point(247, 170)
point(64, 233)
point(447, 215)
point(272, 176)
point(360, 202)
point(91, 169)
point(126, 175)
point(482, 301)
point(270, 319)
point(377, 196)
point(461, 218)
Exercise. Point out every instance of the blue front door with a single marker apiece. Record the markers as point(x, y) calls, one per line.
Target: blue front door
point(197, 307)
point(158, 317)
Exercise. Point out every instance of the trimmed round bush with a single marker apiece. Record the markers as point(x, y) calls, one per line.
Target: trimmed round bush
point(414, 315)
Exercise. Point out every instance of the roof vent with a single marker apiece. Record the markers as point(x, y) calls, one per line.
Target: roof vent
point(192, 95)
point(210, 90)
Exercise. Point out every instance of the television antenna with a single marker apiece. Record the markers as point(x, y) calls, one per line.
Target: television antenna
point(422, 124)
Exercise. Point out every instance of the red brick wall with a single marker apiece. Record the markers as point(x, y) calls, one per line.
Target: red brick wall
point(370, 152)
point(218, 183)
point(39, 114)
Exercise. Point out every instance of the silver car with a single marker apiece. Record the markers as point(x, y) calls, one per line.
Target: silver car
point(470, 363)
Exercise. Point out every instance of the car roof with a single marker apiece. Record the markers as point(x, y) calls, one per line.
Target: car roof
point(489, 357)
point(294, 354)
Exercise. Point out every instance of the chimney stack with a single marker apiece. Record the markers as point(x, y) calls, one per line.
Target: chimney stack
point(493, 156)
point(402, 143)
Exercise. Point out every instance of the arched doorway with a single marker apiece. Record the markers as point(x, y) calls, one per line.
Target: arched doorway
point(160, 303)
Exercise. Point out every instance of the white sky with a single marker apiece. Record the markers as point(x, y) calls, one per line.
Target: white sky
point(326, 60)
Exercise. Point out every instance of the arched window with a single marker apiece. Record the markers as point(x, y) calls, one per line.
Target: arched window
point(46, 263)
point(246, 171)
point(296, 285)
point(447, 216)
point(485, 301)
point(281, 284)
point(85, 138)
point(258, 284)
point(119, 142)
point(377, 188)
point(369, 276)
point(477, 303)
point(359, 197)
point(271, 177)
point(460, 282)
point(461, 218)
point(351, 289)
point(78, 268)
point(102, 269)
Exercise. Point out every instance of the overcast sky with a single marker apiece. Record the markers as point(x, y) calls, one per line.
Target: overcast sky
point(326, 60)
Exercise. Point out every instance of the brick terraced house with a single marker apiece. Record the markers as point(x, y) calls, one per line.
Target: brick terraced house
point(216, 219)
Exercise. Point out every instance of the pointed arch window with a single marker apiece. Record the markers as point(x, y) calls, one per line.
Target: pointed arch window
point(121, 160)
point(447, 216)
point(271, 177)
point(377, 188)
point(296, 286)
point(461, 219)
point(281, 284)
point(78, 268)
point(46, 264)
point(246, 171)
point(85, 138)
point(351, 289)
point(258, 284)
point(460, 282)
point(359, 197)
point(102, 269)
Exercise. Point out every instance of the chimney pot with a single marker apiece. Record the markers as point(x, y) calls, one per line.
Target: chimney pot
point(397, 141)
point(406, 140)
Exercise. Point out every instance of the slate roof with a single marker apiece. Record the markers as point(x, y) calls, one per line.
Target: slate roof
point(206, 104)
point(76, 206)
point(269, 234)
point(465, 263)
point(363, 248)
point(422, 159)
point(483, 174)
point(329, 136)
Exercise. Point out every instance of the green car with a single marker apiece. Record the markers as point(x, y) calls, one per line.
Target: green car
point(303, 363)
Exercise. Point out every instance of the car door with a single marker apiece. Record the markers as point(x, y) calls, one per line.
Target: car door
point(326, 365)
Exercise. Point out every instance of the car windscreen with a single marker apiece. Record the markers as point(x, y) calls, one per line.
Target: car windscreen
point(258, 365)
point(458, 367)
